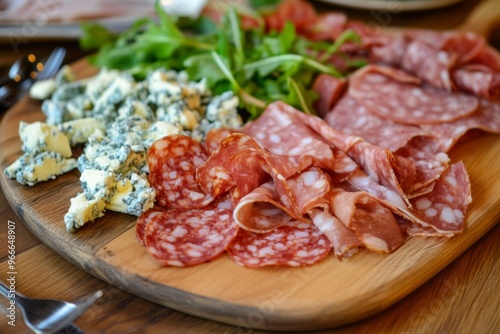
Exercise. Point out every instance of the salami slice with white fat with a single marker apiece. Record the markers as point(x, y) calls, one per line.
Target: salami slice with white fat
point(262, 210)
point(293, 244)
point(183, 238)
point(330, 90)
point(408, 103)
point(344, 240)
point(444, 208)
point(352, 118)
point(173, 161)
point(487, 119)
point(280, 132)
point(143, 221)
point(374, 225)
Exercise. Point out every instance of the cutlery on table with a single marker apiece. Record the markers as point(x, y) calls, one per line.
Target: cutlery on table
point(46, 315)
point(22, 75)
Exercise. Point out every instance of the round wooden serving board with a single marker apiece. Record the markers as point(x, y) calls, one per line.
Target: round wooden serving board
point(325, 295)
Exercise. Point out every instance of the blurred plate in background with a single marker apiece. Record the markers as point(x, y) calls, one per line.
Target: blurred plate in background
point(393, 5)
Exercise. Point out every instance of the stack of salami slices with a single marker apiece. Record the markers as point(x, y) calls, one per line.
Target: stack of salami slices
point(289, 189)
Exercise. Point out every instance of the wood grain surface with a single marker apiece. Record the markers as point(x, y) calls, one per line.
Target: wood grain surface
point(329, 294)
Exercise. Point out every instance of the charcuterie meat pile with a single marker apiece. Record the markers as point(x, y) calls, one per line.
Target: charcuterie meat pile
point(289, 189)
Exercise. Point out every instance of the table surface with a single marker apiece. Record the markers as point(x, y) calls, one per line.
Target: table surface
point(462, 298)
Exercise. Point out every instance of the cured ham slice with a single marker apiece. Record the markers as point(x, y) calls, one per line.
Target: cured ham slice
point(408, 103)
point(183, 238)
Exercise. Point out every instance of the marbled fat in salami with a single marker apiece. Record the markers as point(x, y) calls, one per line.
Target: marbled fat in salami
point(352, 118)
point(183, 238)
point(444, 208)
point(280, 132)
point(344, 240)
point(374, 225)
point(487, 119)
point(409, 103)
point(143, 220)
point(173, 161)
point(262, 210)
point(293, 244)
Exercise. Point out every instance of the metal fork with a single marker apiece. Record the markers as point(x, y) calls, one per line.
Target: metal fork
point(12, 91)
point(46, 315)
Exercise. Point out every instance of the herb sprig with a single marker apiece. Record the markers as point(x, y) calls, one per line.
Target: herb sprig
point(260, 67)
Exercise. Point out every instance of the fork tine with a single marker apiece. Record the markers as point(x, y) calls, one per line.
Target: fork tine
point(84, 304)
point(52, 64)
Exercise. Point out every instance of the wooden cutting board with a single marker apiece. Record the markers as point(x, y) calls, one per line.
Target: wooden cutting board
point(325, 295)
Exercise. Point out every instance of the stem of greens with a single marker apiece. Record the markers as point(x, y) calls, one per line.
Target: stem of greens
point(346, 36)
point(292, 57)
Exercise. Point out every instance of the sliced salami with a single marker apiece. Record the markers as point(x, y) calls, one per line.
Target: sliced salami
point(444, 208)
point(429, 162)
point(310, 189)
point(173, 161)
point(374, 225)
point(294, 244)
point(431, 65)
point(487, 119)
point(409, 103)
point(262, 210)
point(329, 89)
point(352, 118)
point(477, 79)
point(215, 137)
point(240, 165)
point(344, 240)
point(281, 132)
point(183, 238)
point(143, 220)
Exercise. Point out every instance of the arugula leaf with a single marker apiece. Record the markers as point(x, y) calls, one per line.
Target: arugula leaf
point(95, 36)
point(203, 66)
point(300, 97)
point(258, 66)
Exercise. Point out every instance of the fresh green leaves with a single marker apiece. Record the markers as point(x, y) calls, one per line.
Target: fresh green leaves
point(259, 67)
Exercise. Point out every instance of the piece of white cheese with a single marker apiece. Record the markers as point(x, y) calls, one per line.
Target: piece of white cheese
point(34, 167)
point(83, 210)
point(79, 130)
point(133, 196)
point(39, 136)
point(41, 90)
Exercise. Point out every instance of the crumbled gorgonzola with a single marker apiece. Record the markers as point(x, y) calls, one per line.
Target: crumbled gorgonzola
point(117, 119)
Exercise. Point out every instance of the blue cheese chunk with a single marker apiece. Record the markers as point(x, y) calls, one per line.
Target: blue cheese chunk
point(83, 210)
point(33, 167)
point(133, 196)
point(98, 189)
point(159, 130)
point(39, 136)
point(120, 159)
point(79, 130)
